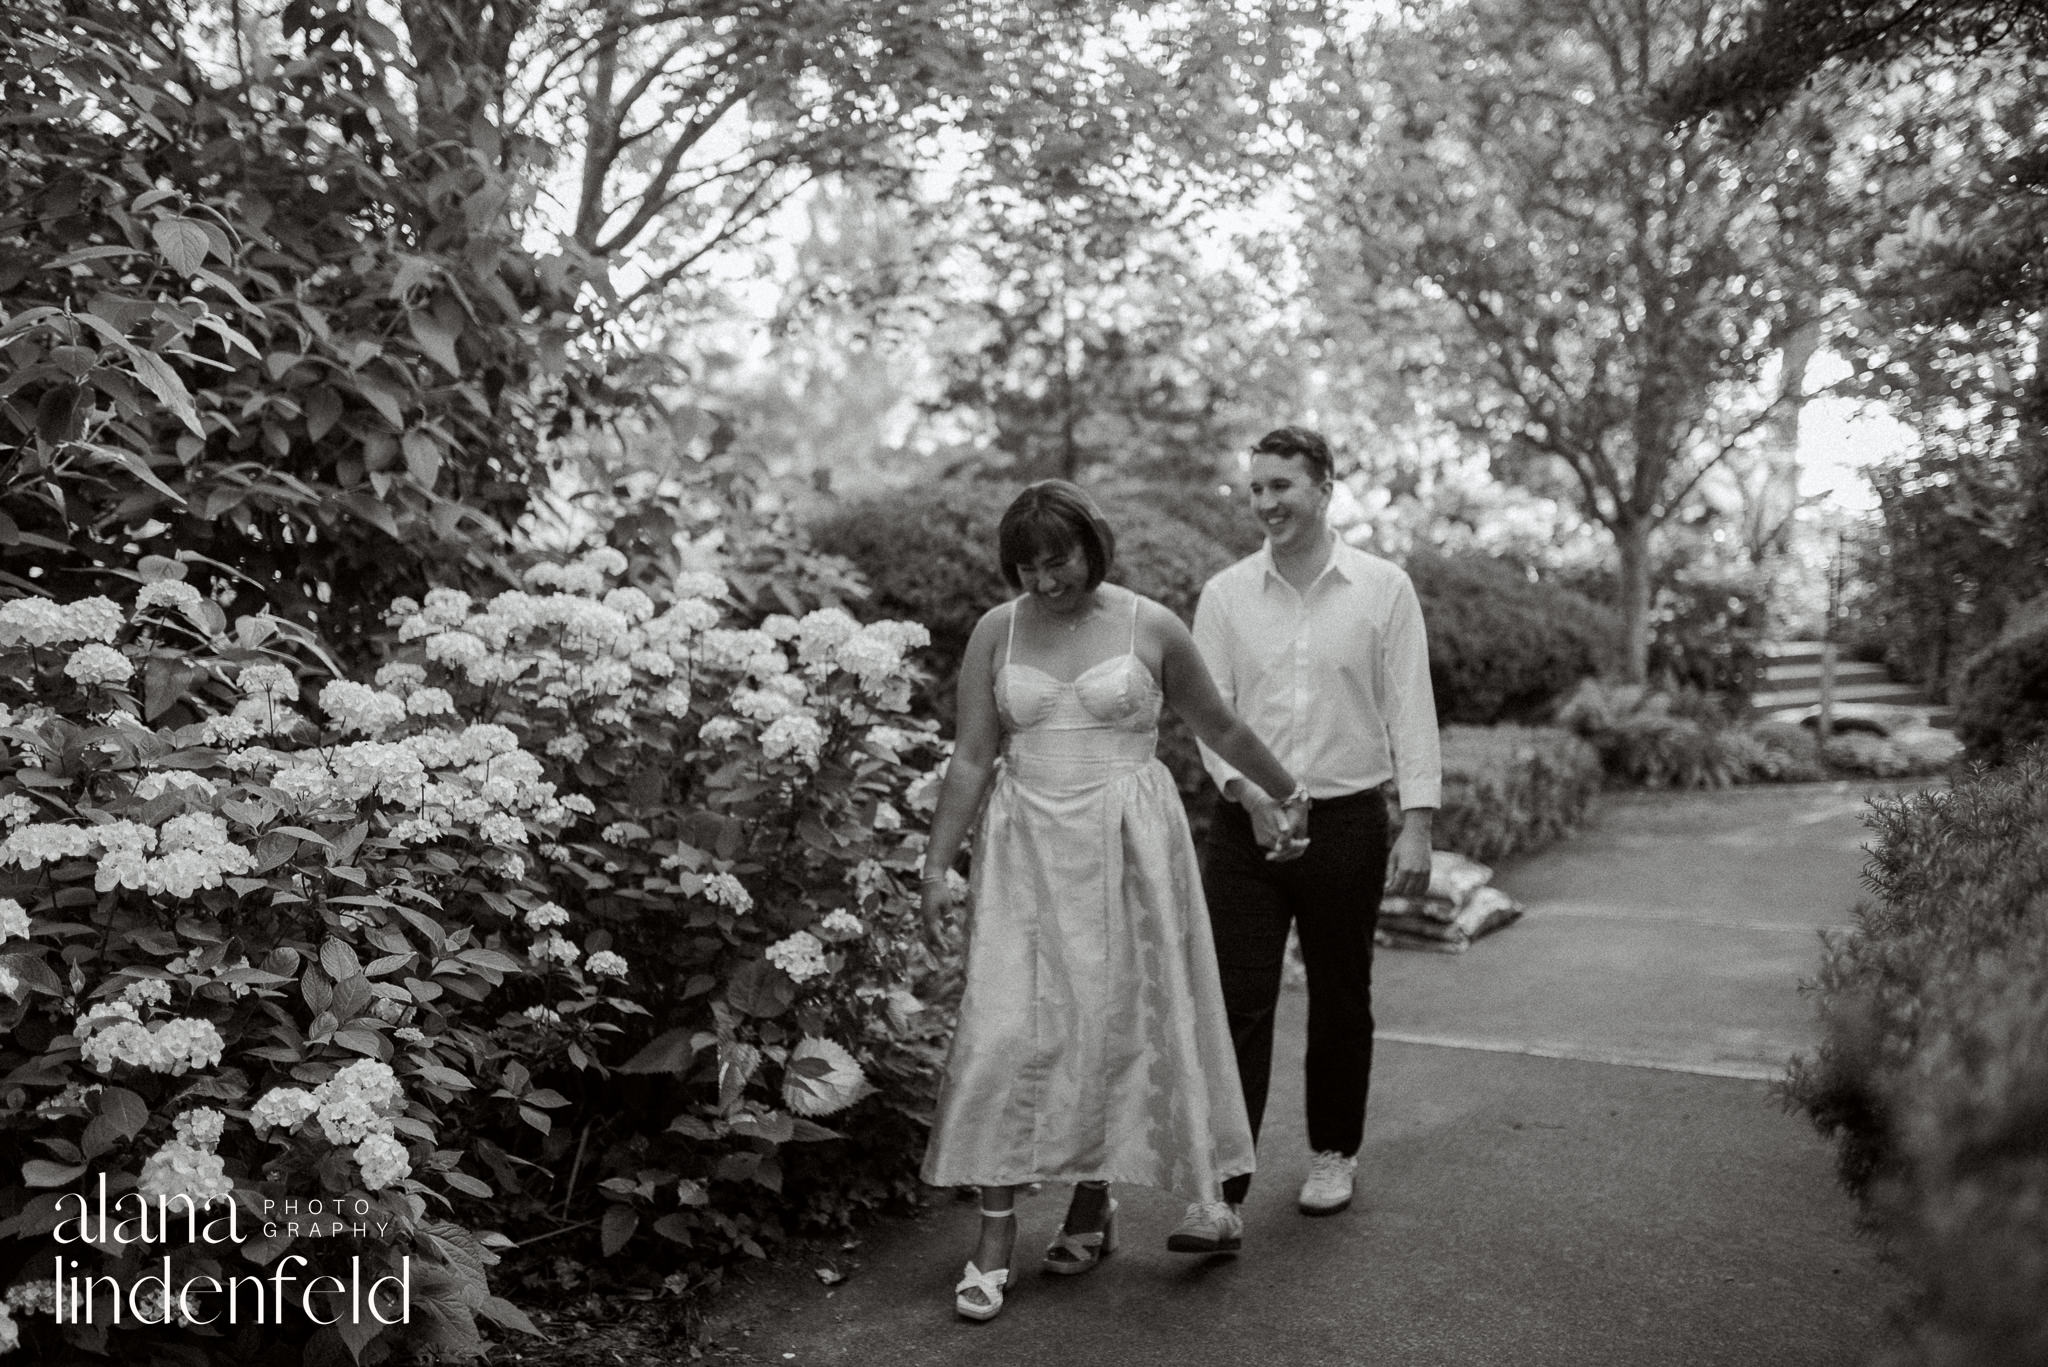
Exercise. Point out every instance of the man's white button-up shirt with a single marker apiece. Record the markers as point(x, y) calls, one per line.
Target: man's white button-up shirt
point(1335, 680)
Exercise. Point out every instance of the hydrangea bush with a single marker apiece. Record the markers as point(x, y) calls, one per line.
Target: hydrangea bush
point(381, 950)
point(748, 864)
point(254, 954)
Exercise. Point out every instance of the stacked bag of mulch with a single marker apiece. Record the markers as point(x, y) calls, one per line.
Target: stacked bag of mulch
point(1461, 906)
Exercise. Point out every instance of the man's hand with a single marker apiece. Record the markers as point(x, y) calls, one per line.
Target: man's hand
point(1408, 863)
point(1282, 832)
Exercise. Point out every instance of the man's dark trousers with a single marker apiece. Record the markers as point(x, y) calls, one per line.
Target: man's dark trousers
point(1331, 894)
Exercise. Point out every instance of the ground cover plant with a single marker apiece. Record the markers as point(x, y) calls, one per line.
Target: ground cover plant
point(1933, 1065)
point(1510, 789)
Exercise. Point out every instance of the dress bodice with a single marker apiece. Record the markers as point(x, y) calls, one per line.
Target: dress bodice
point(1117, 694)
point(1105, 718)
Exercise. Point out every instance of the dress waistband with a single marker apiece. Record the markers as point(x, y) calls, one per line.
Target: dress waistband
point(1089, 748)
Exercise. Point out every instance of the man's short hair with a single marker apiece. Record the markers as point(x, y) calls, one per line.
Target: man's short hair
point(1304, 443)
point(1052, 515)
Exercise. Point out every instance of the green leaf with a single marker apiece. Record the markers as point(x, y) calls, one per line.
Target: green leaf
point(323, 410)
point(668, 1052)
point(435, 339)
point(467, 1185)
point(759, 988)
point(382, 397)
point(124, 1110)
point(422, 457)
point(162, 381)
point(41, 1172)
point(617, 1227)
point(182, 242)
point(338, 957)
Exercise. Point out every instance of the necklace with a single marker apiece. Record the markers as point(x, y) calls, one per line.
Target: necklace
point(1080, 615)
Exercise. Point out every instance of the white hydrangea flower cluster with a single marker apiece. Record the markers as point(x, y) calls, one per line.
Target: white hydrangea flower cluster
point(839, 925)
point(195, 786)
point(201, 1126)
point(38, 1297)
point(725, 890)
point(13, 920)
point(268, 680)
point(192, 851)
point(175, 594)
point(146, 992)
point(798, 734)
point(801, 956)
point(40, 622)
point(283, 1108)
point(95, 666)
point(183, 1167)
point(577, 641)
point(354, 1107)
point(549, 946)
point(16, 808)
point(547, 915)
point(358, 708)
point(605, 964)
point(440, 779)
point(383, 1161)
point(113, 1032)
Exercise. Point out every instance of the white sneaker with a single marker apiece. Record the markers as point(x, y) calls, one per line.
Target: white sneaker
point(1208, 1227)
point(1328, 1188)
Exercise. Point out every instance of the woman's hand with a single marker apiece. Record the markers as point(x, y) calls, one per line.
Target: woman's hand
point(936, 899)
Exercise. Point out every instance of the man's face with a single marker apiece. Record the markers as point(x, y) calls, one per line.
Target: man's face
point(1287, 499)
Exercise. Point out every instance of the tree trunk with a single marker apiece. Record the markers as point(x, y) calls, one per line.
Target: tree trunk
point(1632, 539)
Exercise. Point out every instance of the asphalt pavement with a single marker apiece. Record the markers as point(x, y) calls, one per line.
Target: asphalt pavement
point(1574, 1154)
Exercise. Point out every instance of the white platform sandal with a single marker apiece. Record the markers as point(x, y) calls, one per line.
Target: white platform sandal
point(979, 1295)
point(1069, 1255)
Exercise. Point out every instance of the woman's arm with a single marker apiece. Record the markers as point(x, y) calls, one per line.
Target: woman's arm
point(977, 735)
point(1191, 693)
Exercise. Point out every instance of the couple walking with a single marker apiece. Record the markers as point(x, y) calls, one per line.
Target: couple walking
point(1117, 1023)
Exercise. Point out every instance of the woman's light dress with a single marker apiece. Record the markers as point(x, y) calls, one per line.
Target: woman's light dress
point(1092, 1043)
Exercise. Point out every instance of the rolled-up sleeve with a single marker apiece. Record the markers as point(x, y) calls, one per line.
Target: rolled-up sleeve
point(1409, 704)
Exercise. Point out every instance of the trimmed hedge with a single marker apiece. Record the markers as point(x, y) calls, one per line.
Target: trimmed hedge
point(1932, 1073)
point(1502, 648)
point(1511, 789)
point(2002, 692)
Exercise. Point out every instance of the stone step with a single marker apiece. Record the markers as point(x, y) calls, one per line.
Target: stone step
point(1811, 669)
point(1773, 698)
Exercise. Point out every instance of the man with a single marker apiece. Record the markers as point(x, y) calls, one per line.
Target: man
point(1319, 647)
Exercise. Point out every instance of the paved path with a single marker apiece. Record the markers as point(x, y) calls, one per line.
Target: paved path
point(1574, 1155)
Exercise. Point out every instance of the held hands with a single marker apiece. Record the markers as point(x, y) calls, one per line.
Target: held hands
point(1281, 828)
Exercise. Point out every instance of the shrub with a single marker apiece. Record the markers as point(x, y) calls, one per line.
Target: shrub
point(253, 959)
point(1510, 789)
point(369, 963)
point(1643, 738)
point(750, 854)
point(2002, 692)
point(1500, 647)
point(258, 316)
point(1933, 1065)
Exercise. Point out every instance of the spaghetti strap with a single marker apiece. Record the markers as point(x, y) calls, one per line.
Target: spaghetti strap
point(1010, 646)
point(1134, 626)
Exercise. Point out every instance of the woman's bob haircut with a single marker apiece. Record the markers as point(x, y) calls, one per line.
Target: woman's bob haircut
point(1050, 516)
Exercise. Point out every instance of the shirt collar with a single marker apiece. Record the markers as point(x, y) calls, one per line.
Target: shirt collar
point(1338, 564)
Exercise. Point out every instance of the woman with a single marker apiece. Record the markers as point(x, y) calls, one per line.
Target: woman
point(1092, 1045)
